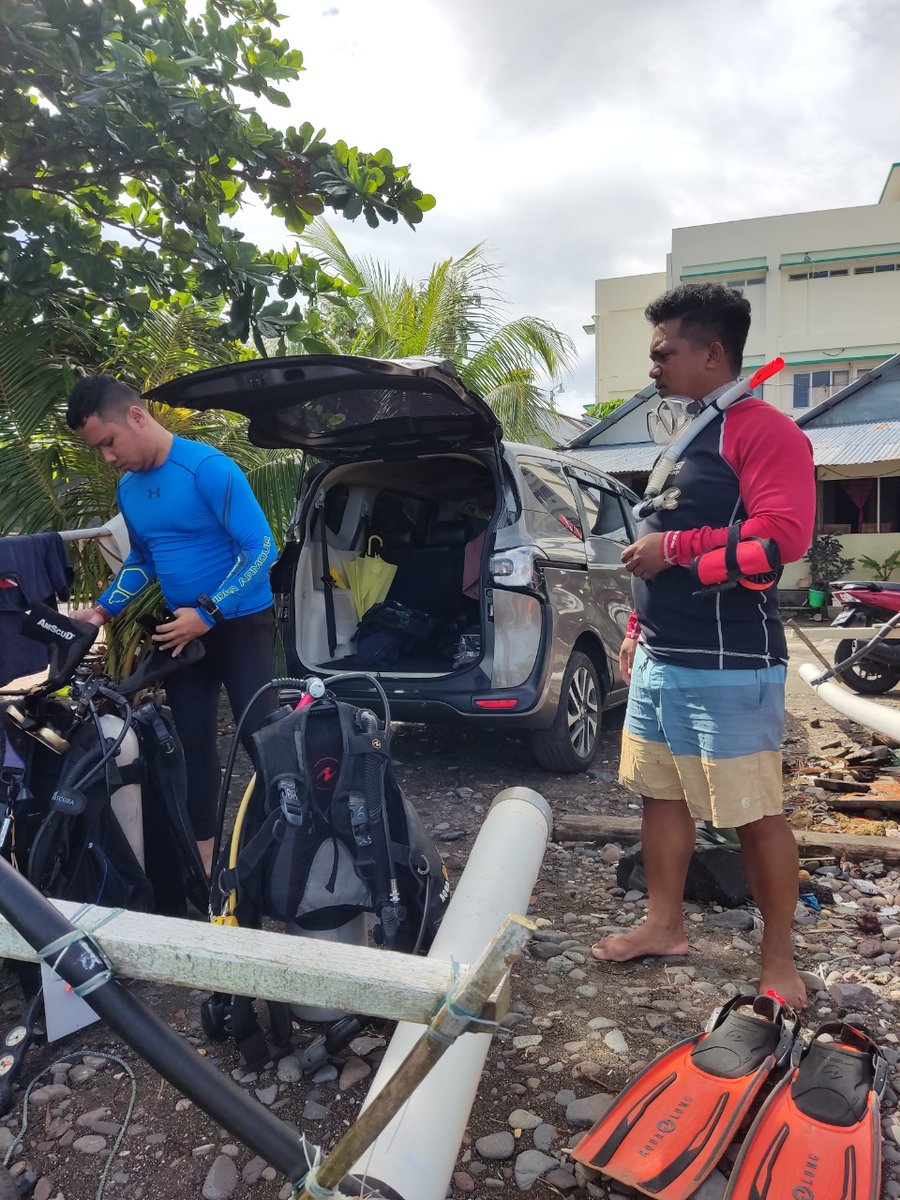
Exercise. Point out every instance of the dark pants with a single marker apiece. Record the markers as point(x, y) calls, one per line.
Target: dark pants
point(241, 654)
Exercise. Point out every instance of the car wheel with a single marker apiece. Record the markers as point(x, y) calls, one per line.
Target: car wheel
point(570, 744)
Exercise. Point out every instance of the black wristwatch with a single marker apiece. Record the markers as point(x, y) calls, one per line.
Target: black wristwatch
point(210, 607)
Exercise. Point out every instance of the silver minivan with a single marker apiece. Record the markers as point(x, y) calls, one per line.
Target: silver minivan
point(506, 602)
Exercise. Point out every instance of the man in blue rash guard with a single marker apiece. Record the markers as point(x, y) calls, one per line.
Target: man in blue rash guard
point(195, 526)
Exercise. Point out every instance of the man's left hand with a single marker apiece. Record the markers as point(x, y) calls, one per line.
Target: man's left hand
point(174, 635)
point(644, 557)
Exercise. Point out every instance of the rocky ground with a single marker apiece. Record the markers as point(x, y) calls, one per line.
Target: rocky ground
point(576, 1030)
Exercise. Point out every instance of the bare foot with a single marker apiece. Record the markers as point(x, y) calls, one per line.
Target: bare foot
point(787, 985)
point(645, 941)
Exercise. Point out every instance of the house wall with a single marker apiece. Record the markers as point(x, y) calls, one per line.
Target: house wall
point(875, 545)
point(622, 335)
point(826, 322)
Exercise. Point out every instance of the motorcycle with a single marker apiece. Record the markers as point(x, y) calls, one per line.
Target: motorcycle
point(875, 668)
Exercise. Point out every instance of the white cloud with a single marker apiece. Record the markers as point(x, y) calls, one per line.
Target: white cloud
point(572, 137)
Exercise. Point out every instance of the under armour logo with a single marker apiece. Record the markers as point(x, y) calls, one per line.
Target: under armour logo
point(150, 493)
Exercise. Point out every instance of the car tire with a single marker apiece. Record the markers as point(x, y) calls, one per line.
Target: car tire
point(570, 744)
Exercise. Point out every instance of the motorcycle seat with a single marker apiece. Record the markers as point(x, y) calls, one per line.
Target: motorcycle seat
point(868, 585)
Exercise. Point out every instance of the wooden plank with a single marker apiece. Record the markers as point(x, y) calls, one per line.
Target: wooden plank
point(253, 962)
point(570, 827)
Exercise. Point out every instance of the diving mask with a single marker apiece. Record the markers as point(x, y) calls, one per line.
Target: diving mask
point(671, 417)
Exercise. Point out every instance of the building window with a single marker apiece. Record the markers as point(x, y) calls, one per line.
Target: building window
point(746, 282)
point(812, 387)
point(837, 273)
point(877, 269)
point(861, 505)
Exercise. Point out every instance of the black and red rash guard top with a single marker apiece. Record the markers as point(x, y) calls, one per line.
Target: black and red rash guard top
point(751, 465)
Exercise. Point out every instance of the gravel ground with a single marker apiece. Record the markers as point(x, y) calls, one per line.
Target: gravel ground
point(575, 1032)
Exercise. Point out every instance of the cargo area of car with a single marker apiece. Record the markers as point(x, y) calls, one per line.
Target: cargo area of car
point(428, 518)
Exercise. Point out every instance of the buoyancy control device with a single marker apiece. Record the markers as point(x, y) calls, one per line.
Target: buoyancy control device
point(324, 834)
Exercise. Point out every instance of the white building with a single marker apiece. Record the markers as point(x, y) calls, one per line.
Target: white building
point(824, 288)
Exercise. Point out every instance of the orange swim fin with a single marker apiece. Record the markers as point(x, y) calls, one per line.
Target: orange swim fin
point(669, 1127)
point(818, 1136)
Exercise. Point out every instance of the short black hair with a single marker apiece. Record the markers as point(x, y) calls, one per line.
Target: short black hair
point(100, 395)
point(708, 312)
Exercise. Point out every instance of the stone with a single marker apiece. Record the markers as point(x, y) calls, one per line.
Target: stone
point(544, 951)
point(313, 1111)
point(267, 1095)
point(81, 1074)
point(353, 1072)
point(43, 1189)
point(848, 995)
point(496, 1146)
point(633, 896)
point(288, 1069)
point(525, 1041)
point(732, 918)
point(221, 1179)
point(90, 1143)
point(520, 1119)
point(562, 1179)
point(544, 1137)
point(365, 1045)
point(565, 1098)
point(583, 1113)
point(326, 1074)
point(615, 1040)
point(252, 1171)
point(463, 1182)
point(530, 1166)
point(869, 948)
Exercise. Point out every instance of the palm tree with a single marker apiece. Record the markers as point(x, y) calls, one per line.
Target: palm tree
point(455, 314)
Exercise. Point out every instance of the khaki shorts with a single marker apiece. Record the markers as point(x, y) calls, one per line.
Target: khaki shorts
point(711, 738)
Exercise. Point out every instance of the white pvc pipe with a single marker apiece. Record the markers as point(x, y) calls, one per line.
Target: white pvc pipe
point(416, 1153)
point(858, 708)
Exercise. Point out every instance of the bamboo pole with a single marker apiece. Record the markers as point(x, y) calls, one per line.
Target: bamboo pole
point(463, 1006)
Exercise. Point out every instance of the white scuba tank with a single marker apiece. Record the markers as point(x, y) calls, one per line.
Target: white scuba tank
point(126, 800)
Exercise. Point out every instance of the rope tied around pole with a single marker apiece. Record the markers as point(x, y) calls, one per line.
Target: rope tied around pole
point(82, 933)
point(309, 1185)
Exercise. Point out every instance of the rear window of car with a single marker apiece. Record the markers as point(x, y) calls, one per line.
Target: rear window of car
point(550, 488)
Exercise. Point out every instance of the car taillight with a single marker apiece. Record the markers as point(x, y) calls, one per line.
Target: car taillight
point(517, 568)
point(509, 703)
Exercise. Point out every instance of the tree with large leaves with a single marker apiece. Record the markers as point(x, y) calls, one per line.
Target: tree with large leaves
point(457, 314)
point(128, 141)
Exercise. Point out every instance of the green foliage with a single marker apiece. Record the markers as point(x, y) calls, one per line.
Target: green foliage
point(881, 570)
point(128, 142)
point(826, 560)
point(455, 314)
point(601, 409)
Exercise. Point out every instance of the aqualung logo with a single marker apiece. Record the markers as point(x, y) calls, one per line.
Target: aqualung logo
point(803, 1190)
point(65, 634)
point(666, 1126)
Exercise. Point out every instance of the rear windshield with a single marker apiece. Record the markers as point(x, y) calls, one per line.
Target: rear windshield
point(349, 410)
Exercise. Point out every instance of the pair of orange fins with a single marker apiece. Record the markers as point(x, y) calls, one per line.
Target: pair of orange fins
point(816, 1137)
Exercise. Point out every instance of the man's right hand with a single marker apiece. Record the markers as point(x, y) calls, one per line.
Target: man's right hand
point(91, 616)
point(626, 657)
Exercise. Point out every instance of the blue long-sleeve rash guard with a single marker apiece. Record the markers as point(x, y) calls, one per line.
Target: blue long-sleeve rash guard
point(196, 526)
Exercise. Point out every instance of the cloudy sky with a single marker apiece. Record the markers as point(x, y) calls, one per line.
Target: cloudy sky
point(572, 135)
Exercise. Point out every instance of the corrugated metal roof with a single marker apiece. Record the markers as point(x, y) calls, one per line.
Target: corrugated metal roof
point(619, 460)
point(833, 446)
point(864, 442)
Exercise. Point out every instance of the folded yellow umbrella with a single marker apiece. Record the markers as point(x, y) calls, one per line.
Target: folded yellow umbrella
point(369, 577)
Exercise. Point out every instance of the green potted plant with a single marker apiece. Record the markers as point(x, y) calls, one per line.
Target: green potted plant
point(827, 563)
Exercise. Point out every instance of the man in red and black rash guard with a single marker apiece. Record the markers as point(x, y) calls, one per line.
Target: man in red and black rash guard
point(705, 714)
